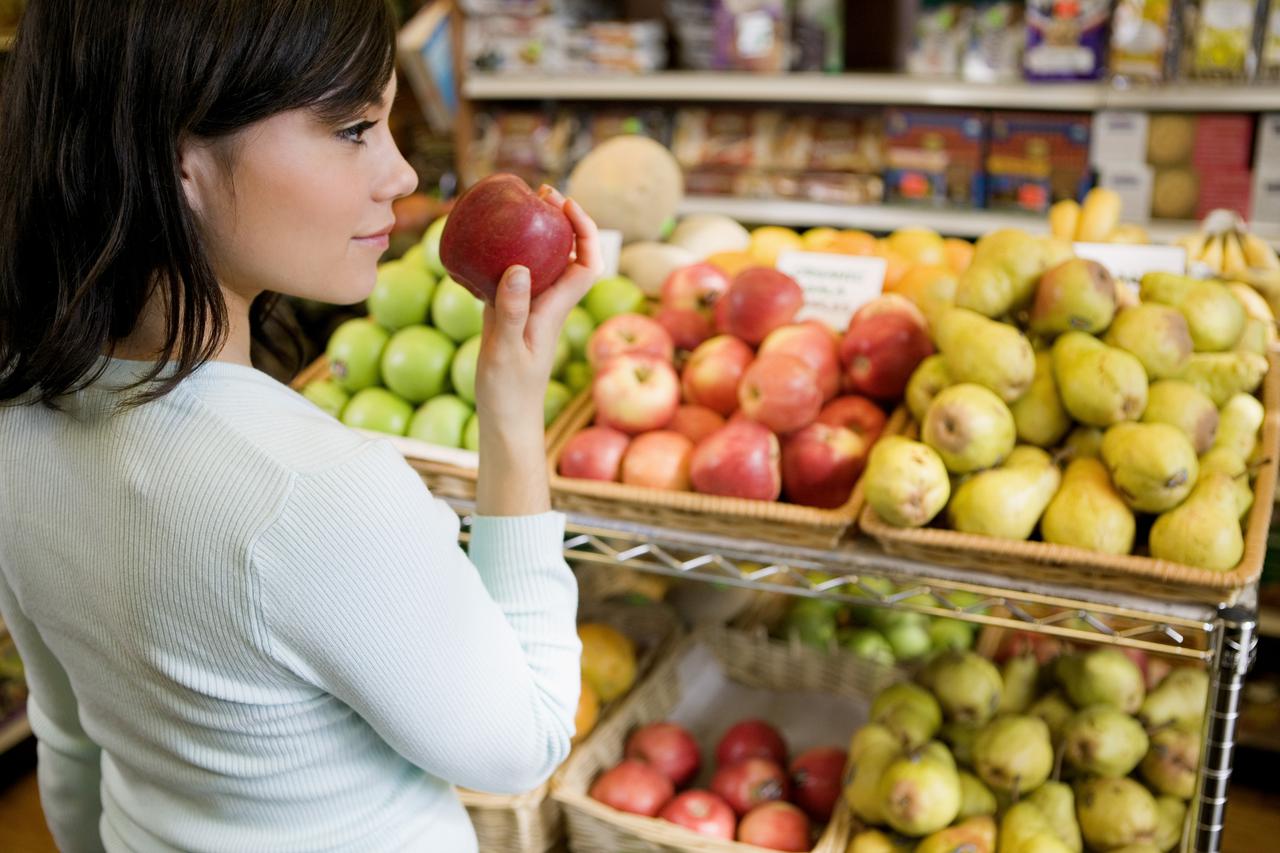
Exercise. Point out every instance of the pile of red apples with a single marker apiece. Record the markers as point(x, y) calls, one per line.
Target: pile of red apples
point(725, 393)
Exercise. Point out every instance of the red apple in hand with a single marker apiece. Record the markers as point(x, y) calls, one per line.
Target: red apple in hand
point(856, 413)
point(627, 334)
point(815, 345)
point(658, 460)
point(696, 287)
point(594, 454)
point(500, 223)
point(781, 392)
point(880, 354)
point(751, 739)
point(636, 393)
point(759, 301)
point(687, 328)
point(820, 465)
point(817, 778)
point(695, 422)
point(739, 460)
point(777, 826)
point(712, 373)
point(751, 782)
point(634, 787)
point(667, 748)
point(702, 812)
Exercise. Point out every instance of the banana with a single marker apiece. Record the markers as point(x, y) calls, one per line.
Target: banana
point(1064, 219)
point(1258, 253)
point(1099, 215)
point(1233, 262)
point(1212, 254)
point(1193, 244)
point(1255, 306)
point(1128, 233)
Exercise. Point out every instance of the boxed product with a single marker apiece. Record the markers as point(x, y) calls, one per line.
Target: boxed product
point(1175, 193)
point(751, 35)
point(511, 45)
point(693, 24)
point(705, 138)
point(1035, 159)
point(1266, 196)
point(1268, 150)
point(1220, 37)
point(628, 47)
point(939, 39)
point(1269, 60)
point(1134, 183)
point(1141, 40)
point(935, 156)
point(533, 144)
point(1225, 188)
point(830, 142)
point(997, 36)
point(817, 36)
point(1118, 136)
point(597, 126)
point(1066, 41)
point(1223, 141)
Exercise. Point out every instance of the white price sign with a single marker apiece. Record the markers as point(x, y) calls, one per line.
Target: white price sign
point(835, 286)
point(1130, 262)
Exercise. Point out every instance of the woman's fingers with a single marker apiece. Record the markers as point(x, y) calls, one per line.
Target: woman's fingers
point(510, 312)
point(587, 237)
point(549, 193)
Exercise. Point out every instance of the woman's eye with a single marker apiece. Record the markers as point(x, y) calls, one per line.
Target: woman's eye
point(355, 133)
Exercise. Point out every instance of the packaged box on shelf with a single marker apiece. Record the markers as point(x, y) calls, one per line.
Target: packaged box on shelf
point(935, 156)
point(510, 45)
point(1266, 195)
point(597, 126)
point(831, 142)
point(1175, 193)
point(1267, 154)
point(1066, 41)
point(1224, 188)
point(752, 35)
point(1134, 182)
point(1223, 141)
point(534, 144)
point(1035, 159)
point(1118, 136)
point(725, 138)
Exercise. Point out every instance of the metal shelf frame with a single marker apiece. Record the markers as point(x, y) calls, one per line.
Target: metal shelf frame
point(1223, 638)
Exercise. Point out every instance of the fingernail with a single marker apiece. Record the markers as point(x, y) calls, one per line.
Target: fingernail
point(519, 281)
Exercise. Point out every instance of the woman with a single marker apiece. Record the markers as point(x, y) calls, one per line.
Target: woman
point(245, 626)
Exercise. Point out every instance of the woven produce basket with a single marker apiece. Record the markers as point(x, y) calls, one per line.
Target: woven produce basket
point(787, 523)
point(597, 828)
point(1082, 567)
point(447, 471)
point(532, 822)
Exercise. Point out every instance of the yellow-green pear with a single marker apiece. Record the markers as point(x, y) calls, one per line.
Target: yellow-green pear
point(909, 711)
point(1214, 315)
point(1242, 417)
point(1058, 804)
point(967, 686)
point(1006, 502)
point(1115, 812)
point(1019, 674)
point(1038, 414)
point(1088, 512)
point(905, 482)
point(1006, 266)
point(1179, 404)
point(1104, 741)
point(1076, 295)
point(1153, 466)
point(1171, 764)
point(1137, 848)
point(1256, 337)
point(1222, 375)
point(975, 797)
point(1156, 334)
point(1056, 712)
point(1178, 700)
point(1171, 816)
point(869, 735)
point(970, 835)
point(862, 792)
point(1026, 829)
point(1084, 442)
point(1099, 385)
point(1204, 531)
point(1013, 753)
point(919, 794)
point(1224, 461)
point(927, 380)
point(1102, 677)
point(875, 841)
point(970, 428)
point(983, 351)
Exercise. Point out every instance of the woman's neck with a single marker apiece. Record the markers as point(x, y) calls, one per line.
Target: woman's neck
point(146, 341)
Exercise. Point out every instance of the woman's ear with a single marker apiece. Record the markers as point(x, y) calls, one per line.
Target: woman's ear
point(196, 167)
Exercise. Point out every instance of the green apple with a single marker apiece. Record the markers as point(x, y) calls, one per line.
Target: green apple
point(355, 351)
point(909, 640)
point(870, 644)
point(402, 295)
point(416, 256)
point(563, 351)
point(577, 375)
point(441, 420)
point(554, 401)
point(415, 363)
point(378, 409)
point(951, 634)
point(455, 311)
point(578, 327)
point(463, 372)
point(471, 434)
point(327, 394)
point(609, 297)
point(431, 247)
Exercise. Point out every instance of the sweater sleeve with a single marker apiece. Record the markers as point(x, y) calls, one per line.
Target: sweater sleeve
point(69, 768)
point(468, 670)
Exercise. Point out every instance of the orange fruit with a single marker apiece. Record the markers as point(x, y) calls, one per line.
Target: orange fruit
point(817, 239)
point(897, 267)
point(959, 254)
point(918, 245)
point(852, 243)
point(608, 660)
point(732, 262)
point(588, 712)
point(931, 287)
point(769, 241)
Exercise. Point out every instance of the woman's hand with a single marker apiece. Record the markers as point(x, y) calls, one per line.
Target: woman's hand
point(514, 367)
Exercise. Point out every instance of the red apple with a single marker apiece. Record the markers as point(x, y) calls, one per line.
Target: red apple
point(500, 223)
point(687, 328)
point(627, 334)
point(820, 465)
point(667, 748)
point(712, 373)
point(859, 414)
point(695, 422)
point(817, 778)
point(702, 812)
point(881, 353)
point(658, 460)
point(891, 303)
point(781, 392)
point(750, 782)
point(634, 787)
point(815, 345)
point(758, 301)
point(776, 826)
point(739, 460)
point(595, 453)
point(751, 739)
point(636, 393)
point(696, 287)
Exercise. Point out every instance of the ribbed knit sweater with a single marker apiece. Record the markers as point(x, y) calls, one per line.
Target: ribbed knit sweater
point(248, 628)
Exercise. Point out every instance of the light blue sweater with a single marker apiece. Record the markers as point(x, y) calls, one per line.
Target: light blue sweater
point(248, 628)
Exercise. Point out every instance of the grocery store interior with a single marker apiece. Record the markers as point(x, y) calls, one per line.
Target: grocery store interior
point(918, 442)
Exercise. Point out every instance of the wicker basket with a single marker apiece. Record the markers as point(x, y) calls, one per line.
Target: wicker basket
point(790, 524)
point(1063, 564)
point(532, 822)
point(597, 828)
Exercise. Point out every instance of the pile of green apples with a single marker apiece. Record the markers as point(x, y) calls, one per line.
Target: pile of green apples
point(409, 367)
point(1068, 755)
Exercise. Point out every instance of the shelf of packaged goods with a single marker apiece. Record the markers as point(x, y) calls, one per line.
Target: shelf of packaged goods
point(13, 732)
point(867, 88)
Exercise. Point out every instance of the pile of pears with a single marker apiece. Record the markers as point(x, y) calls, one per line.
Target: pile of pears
point(1070, 756)
point(1059, 401)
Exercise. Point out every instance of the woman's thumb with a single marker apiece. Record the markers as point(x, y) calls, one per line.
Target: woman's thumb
point(512, 302)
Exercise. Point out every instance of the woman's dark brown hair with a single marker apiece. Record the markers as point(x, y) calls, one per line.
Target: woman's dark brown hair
point(96, 99)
